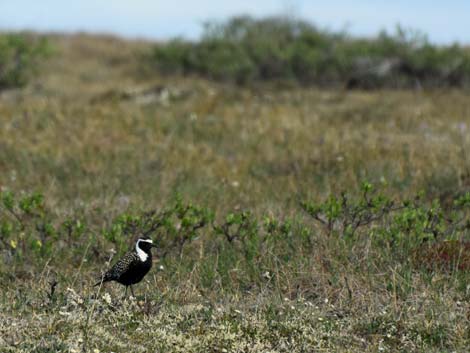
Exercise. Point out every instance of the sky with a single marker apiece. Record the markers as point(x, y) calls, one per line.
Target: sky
point(444, 22)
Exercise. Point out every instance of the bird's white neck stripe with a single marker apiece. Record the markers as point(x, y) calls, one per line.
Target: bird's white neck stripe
point(142, 254)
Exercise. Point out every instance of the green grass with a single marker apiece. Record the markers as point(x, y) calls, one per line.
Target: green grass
point(104, 144)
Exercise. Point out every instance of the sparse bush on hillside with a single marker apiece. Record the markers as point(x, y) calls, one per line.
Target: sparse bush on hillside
point(246, 50)
point(19, 56)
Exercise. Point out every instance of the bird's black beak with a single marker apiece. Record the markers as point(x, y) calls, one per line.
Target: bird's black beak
point(154, 246)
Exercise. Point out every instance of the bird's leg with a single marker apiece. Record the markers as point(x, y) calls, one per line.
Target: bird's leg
point(125, 293)
point(132, 291)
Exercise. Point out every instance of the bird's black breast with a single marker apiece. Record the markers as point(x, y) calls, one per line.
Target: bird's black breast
point(136, 271)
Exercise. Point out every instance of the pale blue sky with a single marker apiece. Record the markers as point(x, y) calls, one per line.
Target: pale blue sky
point(444, 21)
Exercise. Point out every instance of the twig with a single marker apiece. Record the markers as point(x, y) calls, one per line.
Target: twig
point(81, 264)
point(89, 315)
point(348, 288)
point(51, 293)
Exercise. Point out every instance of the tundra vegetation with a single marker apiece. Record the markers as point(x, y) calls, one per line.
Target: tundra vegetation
point(245, 50)
point(289, 217)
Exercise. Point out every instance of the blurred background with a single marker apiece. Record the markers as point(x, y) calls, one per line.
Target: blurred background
point(233, 103)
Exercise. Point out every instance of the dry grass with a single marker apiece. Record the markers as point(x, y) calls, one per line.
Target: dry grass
point(425, 316)
point(97, 136)
point(220, 144)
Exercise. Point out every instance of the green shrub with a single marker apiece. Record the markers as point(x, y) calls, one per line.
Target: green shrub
point(19, 57)
point(245, 50)
point(240, 249)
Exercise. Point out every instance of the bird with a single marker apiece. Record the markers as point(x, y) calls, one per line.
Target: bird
point(132, 267)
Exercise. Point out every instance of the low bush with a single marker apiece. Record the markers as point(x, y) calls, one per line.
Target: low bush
point(246, 50)
point(20, 56)
point(189, 235)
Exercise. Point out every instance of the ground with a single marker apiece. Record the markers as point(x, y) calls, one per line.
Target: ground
point(100, 133)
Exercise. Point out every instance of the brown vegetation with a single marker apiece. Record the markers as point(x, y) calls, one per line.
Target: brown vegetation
point(99, 136)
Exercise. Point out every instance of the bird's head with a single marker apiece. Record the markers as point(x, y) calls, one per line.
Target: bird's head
point(145, 244)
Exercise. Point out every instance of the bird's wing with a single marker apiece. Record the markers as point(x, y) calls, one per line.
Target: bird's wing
point(120, 267)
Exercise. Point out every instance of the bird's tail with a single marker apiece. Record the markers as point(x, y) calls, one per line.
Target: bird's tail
point(101, 281)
